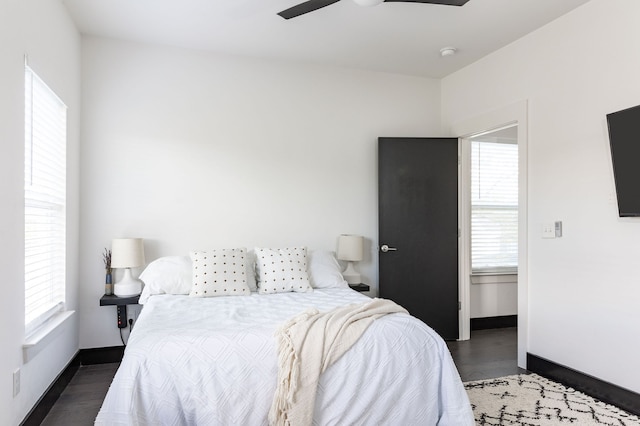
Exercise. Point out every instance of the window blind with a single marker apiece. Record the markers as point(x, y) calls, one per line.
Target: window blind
point(44, 201)
point(494, 207)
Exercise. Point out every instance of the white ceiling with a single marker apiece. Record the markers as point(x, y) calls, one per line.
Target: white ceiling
point(395, 37)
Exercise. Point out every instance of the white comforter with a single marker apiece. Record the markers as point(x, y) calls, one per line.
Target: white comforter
point(212, 361)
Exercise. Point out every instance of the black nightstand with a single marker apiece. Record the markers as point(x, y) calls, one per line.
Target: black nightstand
point(359, 287)
point(121, 305)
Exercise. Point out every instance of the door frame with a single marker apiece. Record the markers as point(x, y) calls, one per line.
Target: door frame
point(516, 113)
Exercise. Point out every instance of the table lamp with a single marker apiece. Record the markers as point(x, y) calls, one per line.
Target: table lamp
point(127, 253)
point(350, 249)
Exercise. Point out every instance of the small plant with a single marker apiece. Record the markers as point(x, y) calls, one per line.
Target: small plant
point(106, 257)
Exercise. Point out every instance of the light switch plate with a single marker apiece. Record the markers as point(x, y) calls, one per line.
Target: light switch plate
point(548, 230)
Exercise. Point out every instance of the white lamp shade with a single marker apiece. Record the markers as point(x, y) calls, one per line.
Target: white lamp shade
point(350, 247)
point(127, 253)
point(368, 2)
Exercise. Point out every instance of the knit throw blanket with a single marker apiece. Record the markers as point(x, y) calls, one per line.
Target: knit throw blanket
point(309, 344)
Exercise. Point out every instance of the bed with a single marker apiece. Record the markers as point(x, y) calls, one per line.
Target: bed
point(213, 360)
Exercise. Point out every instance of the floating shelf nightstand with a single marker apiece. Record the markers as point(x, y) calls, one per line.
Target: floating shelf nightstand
point(359, 287)
point(121, 304)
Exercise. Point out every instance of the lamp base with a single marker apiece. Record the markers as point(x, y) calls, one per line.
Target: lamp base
point(351, 276)
point(128, 286)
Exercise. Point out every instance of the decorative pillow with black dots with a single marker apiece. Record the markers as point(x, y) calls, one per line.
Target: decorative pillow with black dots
point(282, 270)
point(220, 272)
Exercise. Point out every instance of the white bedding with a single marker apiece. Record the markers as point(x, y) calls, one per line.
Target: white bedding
point(212, 361)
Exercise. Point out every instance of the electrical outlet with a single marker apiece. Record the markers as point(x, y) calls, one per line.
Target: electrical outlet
point(134, 312)
point(16, 382)
point(122, 316)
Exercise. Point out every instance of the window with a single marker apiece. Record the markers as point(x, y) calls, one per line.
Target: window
point(44, 201)
point(494, 207)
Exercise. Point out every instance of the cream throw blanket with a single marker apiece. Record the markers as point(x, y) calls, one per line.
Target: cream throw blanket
point(307, 345)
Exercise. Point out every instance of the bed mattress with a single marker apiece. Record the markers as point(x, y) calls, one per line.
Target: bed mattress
point(212, 361)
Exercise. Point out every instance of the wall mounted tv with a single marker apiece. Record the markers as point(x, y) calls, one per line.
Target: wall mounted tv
point(624, 139)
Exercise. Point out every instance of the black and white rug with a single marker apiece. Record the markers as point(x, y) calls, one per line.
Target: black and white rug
point(532, 400)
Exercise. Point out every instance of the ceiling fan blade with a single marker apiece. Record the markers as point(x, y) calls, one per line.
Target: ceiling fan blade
point(306, 7)
point(444, 2)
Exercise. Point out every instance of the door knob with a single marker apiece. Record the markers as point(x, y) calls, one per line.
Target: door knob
point(385, 248)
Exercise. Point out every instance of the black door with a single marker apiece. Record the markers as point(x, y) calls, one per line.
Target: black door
point(418, 222)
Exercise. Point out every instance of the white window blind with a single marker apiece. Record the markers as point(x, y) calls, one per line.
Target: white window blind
point(494, 207)
point(44, 201)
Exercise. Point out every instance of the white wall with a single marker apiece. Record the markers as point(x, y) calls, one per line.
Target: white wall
point(584, 288)
point(191, 150)
point(493, 297)
point(43, 30)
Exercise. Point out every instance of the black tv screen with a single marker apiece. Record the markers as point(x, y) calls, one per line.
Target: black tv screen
point(624, 139)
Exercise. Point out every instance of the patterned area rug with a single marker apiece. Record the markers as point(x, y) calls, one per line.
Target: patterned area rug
point(532, 400)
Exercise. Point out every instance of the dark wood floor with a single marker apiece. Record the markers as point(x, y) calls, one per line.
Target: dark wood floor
point(81, 400)
point(489, 353)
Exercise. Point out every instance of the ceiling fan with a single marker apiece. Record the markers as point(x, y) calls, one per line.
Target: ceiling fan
point(311, 5)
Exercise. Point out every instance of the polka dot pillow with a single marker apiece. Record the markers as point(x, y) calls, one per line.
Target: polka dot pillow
point(219, 273)
point(282, 270)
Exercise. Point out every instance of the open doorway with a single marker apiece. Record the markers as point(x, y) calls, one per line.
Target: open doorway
point(492, 221)
point(489, 198)
point(489, 193)
point(515, 116)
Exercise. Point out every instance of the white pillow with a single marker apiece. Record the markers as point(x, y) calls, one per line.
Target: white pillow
point(220, 272)
point(166, 275)
point(282, 270)
point(324, 270)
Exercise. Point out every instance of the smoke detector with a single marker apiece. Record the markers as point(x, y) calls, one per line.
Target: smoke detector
point(448, 51)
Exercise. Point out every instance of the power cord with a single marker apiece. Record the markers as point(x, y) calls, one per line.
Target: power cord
point(130, 330)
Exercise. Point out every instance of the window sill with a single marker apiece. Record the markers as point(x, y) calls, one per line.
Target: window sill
point(44, 335)
point(494, 279)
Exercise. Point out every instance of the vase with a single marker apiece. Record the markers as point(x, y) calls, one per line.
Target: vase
point(108, 286)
